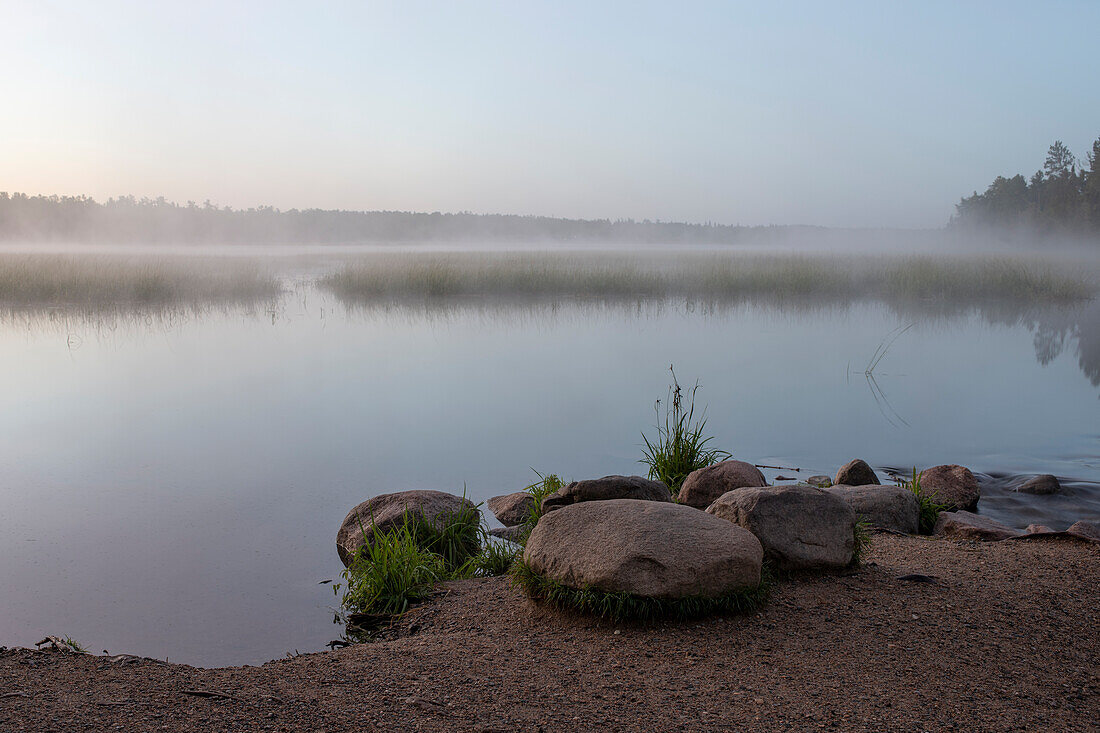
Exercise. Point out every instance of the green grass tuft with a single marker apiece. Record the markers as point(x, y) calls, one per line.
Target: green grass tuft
point(679, 447)
point(625, 606)
point(390, 573)
point(929, 508)
point(861, 536)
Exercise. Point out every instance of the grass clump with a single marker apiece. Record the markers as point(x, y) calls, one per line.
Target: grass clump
point(455, 536)
point(390, 573)
point(544, 487)
point(929, 508)
point(624, 606)
point(679, 447)
point(861, 536)
point(495, 558)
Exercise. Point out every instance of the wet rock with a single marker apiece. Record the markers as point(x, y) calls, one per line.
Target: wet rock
point(387, 511)
point(801, 527)
point(647, 548)
point(964, 525)
point(512, 534)
point(702, 487)
point(607, 488)
point(889, 507)
point(952, 485)
point(1088, 530)
point(512, 509)
point(1037, 528)
point(856, 473)
point(1042, 484)
point(821, 482)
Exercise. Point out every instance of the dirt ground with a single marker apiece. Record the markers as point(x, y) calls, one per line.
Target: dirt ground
point(1006, 638)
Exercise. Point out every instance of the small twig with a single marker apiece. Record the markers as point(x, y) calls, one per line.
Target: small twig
point(778, 468)
point(210, 693)
point(16, 694)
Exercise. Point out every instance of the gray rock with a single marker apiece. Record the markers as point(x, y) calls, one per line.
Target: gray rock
point(387, 511)
point(606, 488)
point(1042, 484)
point(1037, 529)
point(889, 507)
point(952, 485)
point(512, 509)
point(1087, 530)
point(821, 482)
point(512, 534)
point(703, 486)
point(964, 525)
point(647, 548)
point(800, 527)
point(856, 473)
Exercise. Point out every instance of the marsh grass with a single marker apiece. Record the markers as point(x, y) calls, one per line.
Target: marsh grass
point(679, 446)
point(623, 606)
point(539, 490)
point(391, 573)
point(704, 277)
point(929, 508)
point(109, 282)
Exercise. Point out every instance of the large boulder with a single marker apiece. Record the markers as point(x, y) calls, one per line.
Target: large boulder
point(646, 548)
point(386, 511)
point(963, 525)
point(703, 486)
point(856, 473)
point(1042, 484)
point(889, 507)
point(800, 527)
point(606, 488)
point(512, 509)
point(952, 485)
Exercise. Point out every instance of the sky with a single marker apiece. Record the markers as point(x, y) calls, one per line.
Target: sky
point(845, 114)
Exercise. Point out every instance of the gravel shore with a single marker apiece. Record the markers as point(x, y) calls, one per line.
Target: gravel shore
point(1006, 637)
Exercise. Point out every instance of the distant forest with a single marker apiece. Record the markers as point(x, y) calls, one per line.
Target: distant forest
point(128, 219)
point(1062, 198)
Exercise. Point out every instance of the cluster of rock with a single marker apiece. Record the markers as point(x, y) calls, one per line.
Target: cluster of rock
point(626, 533)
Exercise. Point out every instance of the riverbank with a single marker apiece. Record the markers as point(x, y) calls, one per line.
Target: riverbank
point(1004, 639)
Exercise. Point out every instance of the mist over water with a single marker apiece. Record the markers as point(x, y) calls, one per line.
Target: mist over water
point(185, 429)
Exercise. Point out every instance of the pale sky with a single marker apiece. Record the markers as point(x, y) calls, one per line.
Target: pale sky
point(857, 114)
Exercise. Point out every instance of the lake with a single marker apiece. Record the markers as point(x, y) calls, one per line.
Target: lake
point(172, 478)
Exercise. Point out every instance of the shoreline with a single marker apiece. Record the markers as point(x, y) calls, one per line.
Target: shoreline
point(1004, 639)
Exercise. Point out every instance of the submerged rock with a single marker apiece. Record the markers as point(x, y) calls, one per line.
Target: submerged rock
point(387, 511)
point(703, 486)
point(964, 525)
point(512, 509)
point(856, 473)
point(800, 527)
point(889, 507)
point(1043, 484)
point(607, 488)
point(952, 485)
point(646, 548)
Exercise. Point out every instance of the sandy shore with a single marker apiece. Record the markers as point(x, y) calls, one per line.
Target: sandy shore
point(1008, 638)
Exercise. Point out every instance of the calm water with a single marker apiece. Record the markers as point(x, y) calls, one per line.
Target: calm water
point(172, 486)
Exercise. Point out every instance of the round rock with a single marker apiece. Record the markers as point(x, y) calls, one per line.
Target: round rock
point(800, 527)
point(952, 485)
point(889, 507)
point(512, 509)
point(856, 473)
point(1043, 484)
point(646, 548)
point(606, 488)
point(703, 486)
point(386, 511)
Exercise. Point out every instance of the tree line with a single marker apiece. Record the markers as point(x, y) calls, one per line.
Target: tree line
point(128, 219)
point(1062, 198)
